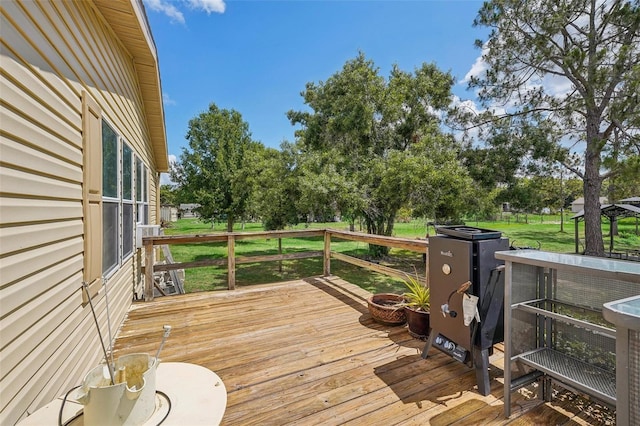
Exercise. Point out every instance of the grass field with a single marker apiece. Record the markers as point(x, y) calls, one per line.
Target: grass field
point(538, 232)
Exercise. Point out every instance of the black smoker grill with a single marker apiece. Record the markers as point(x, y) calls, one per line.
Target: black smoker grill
point(457, 255)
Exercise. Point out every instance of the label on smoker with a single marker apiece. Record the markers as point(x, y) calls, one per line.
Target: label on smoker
point(457, 352)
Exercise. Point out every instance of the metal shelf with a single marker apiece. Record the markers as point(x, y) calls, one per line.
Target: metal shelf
point(584, 377)
point(529, 306)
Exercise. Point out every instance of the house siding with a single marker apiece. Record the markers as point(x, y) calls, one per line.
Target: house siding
point(50, 53)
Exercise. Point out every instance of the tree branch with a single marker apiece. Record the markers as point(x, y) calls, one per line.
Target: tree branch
point(574, 170)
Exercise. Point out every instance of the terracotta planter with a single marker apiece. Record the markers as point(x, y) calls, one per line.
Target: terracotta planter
point(418, 322)
point(384, 308)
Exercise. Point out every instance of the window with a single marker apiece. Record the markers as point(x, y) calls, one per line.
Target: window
point(110, 199)
point(142, 193)
point(117, 199)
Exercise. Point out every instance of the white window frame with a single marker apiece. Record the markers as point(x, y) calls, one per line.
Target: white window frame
point(128, 245)
point(142, 191)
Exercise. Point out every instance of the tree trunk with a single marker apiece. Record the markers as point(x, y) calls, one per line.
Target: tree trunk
point(592, 184)
point(612, 190)
point(561, 203)
point(230, 223)
point(377, 227)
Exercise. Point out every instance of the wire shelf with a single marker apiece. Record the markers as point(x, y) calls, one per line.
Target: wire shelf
point(586, 377)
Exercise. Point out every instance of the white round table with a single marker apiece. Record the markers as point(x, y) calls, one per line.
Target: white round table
point(197, 397)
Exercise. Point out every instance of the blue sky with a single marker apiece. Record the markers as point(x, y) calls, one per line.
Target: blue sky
point(256, 56)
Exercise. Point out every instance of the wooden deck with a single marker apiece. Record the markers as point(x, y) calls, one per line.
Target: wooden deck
point(307, 352)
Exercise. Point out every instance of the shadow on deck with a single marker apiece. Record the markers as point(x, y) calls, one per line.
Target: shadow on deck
point(307, 352)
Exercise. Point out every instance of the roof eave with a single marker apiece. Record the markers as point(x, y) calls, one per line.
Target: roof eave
point(128, 20)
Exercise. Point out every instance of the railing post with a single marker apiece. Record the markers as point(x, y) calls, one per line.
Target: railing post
point(148, 271)
point(327, 254)
point(231, 261)
point(280, 252)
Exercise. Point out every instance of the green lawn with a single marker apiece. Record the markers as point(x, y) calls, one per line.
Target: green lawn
point(543, 232)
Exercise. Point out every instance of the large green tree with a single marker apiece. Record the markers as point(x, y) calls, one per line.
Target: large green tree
point(572, 66)
point(213, 169)
point(275, 187)
point(365, 126)
point(444, 189)
point(325, 192)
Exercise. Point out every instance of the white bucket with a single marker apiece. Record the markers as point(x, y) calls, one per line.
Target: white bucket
point(130, 401)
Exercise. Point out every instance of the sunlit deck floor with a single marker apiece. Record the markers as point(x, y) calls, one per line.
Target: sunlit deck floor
point(307, 352)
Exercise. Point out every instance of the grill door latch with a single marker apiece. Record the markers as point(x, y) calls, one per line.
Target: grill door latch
point(445, 307)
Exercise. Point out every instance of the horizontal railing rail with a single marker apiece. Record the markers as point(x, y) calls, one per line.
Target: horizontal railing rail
point(416, 244)
point(231, 260)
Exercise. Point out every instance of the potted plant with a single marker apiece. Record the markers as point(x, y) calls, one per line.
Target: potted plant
point(417, 307)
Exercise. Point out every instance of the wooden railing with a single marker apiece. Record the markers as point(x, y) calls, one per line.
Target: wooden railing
point(416, 245)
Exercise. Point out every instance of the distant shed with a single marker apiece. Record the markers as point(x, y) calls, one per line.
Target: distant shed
point(168, 214)
point(188, 210)
point(578, 204)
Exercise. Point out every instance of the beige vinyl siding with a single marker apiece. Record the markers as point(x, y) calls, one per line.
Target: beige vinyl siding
point(154, 198)
point(25, 210)
point(42, 142)
point(52, 52)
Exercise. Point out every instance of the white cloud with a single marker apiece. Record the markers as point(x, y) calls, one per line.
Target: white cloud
point(208, 6)
point(165, 179)
point(164, 6)
point(171, 8)
point(478, 68)
point(466, 105)
point(556, 85)
point(166, 99)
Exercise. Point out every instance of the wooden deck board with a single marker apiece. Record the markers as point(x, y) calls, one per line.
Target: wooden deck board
point(307, 352)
